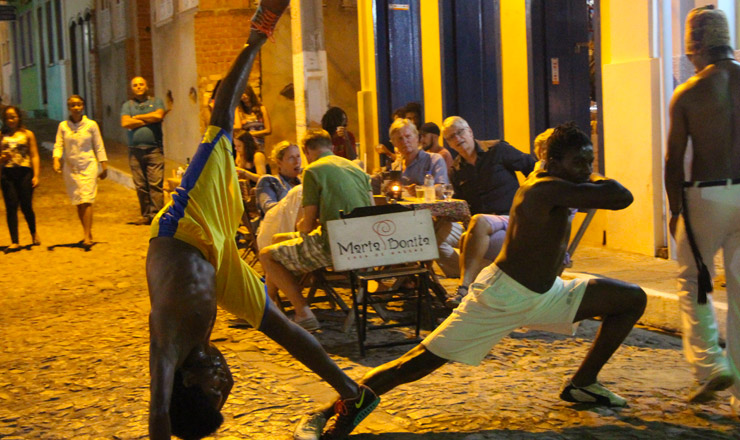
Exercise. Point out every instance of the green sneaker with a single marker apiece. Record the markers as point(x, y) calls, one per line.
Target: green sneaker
point(595, 394)
point(349, 414)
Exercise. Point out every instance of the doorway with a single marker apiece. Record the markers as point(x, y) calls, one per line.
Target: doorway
point(398, 58)
point(565, 73)
point(471, 67)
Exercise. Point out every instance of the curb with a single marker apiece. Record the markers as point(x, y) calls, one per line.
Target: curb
point(114, 174)
point(663, 311)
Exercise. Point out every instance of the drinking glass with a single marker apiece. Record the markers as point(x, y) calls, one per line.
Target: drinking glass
point(448, 191)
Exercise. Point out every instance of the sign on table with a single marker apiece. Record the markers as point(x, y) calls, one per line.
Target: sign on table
point(380, 240)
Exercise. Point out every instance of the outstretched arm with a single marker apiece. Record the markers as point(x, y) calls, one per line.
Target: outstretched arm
point(229, 92)
point(599, 193)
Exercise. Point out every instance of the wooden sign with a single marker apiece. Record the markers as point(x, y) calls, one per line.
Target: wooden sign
point(379, 240)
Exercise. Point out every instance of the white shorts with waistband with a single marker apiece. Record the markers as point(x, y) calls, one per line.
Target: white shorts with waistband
point(495, 305)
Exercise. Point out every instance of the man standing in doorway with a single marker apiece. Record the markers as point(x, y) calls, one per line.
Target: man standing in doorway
point(142, 117)
point(705, 207)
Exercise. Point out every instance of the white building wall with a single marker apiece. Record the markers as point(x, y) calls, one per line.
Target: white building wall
point(633, 122)
point(175, 72)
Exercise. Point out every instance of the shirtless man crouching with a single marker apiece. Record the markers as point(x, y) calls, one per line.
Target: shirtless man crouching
point(509, 293)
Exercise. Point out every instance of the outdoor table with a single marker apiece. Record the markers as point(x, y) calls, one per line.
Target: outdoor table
point(454, 210)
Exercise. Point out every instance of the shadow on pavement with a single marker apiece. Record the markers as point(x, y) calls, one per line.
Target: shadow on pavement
point(77, 245)
point(641, 430)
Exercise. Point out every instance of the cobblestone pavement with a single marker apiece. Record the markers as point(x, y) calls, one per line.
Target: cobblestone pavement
point(73, 361)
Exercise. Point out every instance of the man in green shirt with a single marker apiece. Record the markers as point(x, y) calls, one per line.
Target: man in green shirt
point(330, 184)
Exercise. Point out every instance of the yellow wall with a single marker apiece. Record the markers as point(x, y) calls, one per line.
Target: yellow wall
point(633, 139)
point(367, 100)
point(431, 62)
point(514, 73)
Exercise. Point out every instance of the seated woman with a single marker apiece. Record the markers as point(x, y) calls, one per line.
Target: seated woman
point(271, 189)
point(334, 122)
point(251, 163)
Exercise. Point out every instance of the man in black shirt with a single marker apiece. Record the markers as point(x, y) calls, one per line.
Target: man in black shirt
point(484, 175)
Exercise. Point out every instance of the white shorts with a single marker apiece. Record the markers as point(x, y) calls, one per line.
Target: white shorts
point(496, 305)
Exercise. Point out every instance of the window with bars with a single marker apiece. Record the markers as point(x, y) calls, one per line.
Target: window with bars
point(60, 29)
point(21, 41)
point(49, 32)
point(29, 38)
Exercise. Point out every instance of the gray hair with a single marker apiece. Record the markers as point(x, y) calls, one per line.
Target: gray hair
point(400, 123)
point(454, 121)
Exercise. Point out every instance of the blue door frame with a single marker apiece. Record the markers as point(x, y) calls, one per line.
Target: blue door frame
point(471, 68)
point(398, 58)
point(561, 86)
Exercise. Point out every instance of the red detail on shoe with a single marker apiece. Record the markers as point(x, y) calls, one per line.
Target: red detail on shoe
point(264, 21)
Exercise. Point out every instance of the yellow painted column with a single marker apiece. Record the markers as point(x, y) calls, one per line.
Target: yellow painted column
point(431, 61)
point(514, 73)
point(367, 99)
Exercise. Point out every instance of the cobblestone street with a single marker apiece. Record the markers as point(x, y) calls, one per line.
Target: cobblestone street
point(73, 362)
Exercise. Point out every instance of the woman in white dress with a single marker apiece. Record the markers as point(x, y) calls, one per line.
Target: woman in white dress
point(77, 151)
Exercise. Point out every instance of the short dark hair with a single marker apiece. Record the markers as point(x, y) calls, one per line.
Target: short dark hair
point(565, 137)
point(78, 97)
point(400, 112)
point(192, 416)
point(413, 107)
point(316, 138)
point(430, 127)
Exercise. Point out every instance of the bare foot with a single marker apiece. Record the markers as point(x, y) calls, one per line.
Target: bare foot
point(36, 239)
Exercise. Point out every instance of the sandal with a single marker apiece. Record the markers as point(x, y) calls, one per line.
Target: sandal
point(455, 300)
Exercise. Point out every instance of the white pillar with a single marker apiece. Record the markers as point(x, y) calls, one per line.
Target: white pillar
point(310, 74)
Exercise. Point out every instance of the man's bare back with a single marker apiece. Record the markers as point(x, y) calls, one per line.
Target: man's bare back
point(702, 108)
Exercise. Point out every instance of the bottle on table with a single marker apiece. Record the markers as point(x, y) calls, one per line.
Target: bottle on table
point(429, 194)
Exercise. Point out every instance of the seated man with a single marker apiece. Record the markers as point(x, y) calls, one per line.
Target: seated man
point(484, 238)
point(429, 140)
point(330, 184)
point(415, 164)
point(522, 286)
point(486, 179)
point(271, 189)
point(193, 265)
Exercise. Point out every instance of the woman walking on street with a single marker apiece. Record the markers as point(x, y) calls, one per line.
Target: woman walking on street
point(79, 143)
point(19, 159)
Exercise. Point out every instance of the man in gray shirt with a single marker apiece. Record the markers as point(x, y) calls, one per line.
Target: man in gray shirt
point(142, 117)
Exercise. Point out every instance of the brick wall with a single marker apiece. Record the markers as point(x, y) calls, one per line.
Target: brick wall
point(221, 29)
point(142, 45)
